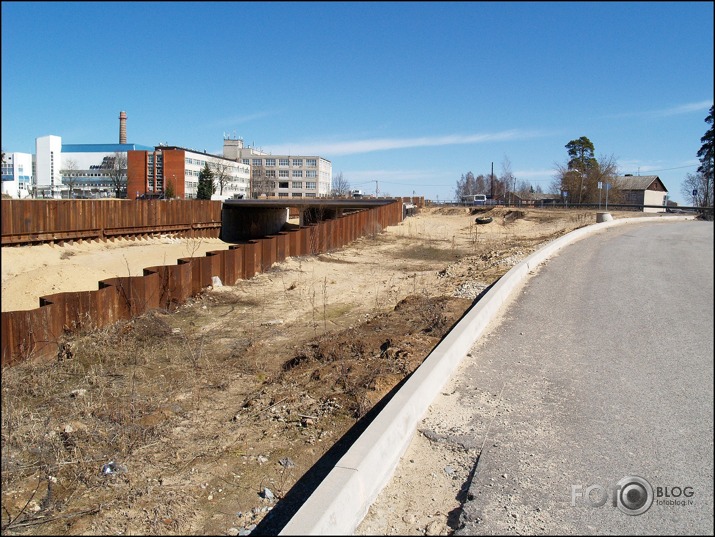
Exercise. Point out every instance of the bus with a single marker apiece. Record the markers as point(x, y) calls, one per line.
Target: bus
point(475, 199)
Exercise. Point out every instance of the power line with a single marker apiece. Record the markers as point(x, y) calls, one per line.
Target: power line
point(676, 168)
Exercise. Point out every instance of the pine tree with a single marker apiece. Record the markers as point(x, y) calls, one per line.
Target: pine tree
point(206, 185)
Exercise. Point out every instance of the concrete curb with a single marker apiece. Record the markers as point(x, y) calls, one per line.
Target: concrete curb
point(342, 500)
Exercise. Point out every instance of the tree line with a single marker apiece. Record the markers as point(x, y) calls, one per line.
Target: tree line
point(582, 178)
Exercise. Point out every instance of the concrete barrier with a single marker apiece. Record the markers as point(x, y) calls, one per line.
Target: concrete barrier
point(341, 501)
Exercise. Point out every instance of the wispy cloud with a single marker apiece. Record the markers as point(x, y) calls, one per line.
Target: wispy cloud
point(684, 109)
point(352, 147)
point(228, 122)
point(678, 110)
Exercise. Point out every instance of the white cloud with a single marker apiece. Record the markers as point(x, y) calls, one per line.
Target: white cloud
point(351, 147)
point(672, 111)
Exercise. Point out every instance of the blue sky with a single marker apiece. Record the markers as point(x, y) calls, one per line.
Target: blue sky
point(403, 97)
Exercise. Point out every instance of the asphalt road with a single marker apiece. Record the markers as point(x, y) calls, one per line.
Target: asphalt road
point(600, 372)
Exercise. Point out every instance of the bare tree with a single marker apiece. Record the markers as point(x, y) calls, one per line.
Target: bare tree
point(524, 188)
point(340, 187)
point(222, 174)
point(507, 180)
point(116, 167)
point(69, 175)
point(261, 184)
point(698, 183)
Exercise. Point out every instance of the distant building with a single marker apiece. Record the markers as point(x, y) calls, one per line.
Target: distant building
point(643, 190)
point(153, 171)
point(128, 170)
point(536, 199)
point(282, 176)
point(95, 170)
point(79, 170)
point(17, 175)
point(82, 170)
point(48, 161)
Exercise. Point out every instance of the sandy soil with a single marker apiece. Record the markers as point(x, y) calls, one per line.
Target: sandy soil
point(245, 387)
point(29, 272)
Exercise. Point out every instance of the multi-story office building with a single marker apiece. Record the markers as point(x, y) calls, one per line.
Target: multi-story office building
point(17, 175)
point(282, 175)
point(170, 168)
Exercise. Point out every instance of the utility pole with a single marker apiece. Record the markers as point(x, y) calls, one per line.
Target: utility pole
point(492, 178)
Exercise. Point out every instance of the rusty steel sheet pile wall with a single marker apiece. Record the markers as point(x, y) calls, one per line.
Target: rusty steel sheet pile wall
point(38, 333)
point(37, 221)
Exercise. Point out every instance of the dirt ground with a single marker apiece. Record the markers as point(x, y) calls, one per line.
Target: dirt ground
point(206, 419)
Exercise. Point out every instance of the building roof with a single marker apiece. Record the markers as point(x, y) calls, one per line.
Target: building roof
point(189, 150)
point(537, 196)
point(104, 148)
point(640, 182)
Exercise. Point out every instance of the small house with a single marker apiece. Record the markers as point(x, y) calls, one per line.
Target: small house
point(646, 190)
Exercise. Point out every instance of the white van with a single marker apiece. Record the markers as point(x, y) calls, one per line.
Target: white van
point(475, 199)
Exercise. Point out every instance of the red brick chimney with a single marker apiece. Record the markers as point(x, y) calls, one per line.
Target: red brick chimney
point(122, 127)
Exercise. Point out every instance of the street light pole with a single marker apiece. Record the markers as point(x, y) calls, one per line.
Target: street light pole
point(580, 190)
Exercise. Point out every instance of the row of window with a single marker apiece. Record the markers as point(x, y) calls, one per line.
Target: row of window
point(226, 186)
point(271, 162)
point(284, 173)
point(295, 195)
point(309, 185)
point(80, 174)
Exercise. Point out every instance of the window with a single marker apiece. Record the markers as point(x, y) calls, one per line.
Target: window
point(311, 162)
point(283, 162)
point(297, 184)
point(282, 173)
point(247, 161)
point(282, 194)
point(297, 173)
point(310, 185)
point(270, 162)
point(297, 162)
point(258, 162)
point(283, 184)
point(297, 195)
point(270, 173)
point(311, 173)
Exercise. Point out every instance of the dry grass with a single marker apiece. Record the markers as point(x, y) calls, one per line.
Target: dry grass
point(196, 407)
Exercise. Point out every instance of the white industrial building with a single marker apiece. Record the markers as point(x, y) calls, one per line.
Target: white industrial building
point(17, 174)
point(69, 170)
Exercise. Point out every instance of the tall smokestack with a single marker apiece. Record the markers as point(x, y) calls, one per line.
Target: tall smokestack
point(122, 127)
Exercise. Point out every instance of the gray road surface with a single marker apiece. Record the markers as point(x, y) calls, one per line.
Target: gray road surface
point(600, 370)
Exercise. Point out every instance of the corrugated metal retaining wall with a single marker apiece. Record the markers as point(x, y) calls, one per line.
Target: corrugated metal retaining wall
point(38, 332)
point(36, 221)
